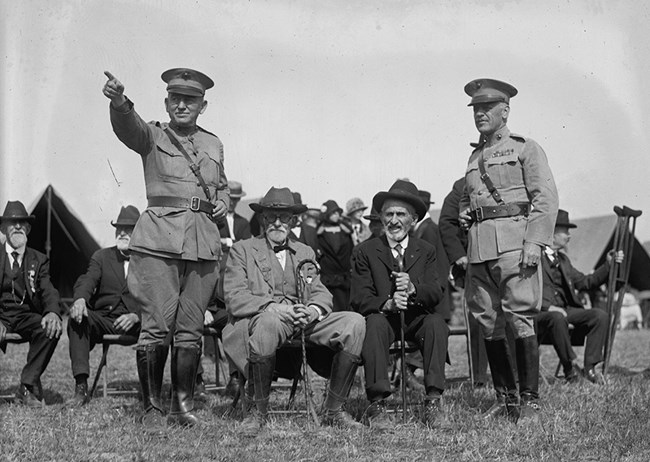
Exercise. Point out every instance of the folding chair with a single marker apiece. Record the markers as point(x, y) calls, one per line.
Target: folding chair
point(107, 341)
point(577, 340)
point(15, 339)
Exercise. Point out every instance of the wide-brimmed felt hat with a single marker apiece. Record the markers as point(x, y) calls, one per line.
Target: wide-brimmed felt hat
point(425, 196)
point(15, 210)
point(280, 199)
point(373, 216)
point(236, 190)
point(128, 216)
point(563, 219)
point(329, 207)
point(404, 191)
point(354, 205)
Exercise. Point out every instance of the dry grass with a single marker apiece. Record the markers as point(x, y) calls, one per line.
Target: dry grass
point(581, 422)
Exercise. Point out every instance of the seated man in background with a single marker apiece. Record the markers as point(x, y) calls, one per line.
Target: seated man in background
point(392, 273)
point(102, 303)
point(561, 305)
point(29, 303)
point(265, 311)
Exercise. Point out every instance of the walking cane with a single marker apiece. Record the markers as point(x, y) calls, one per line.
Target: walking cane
point(402, 344)
point(303, 279)
point(619, 274)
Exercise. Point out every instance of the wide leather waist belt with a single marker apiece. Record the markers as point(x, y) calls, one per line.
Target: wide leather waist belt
point(500, 211)
point(194, 203)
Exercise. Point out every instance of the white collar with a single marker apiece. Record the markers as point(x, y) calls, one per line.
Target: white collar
point(392, 243)
point(9, 249)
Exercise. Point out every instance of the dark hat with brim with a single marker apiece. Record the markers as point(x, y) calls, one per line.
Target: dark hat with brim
point(15, 210)
point(184, 81)
point(128, 216)
point(236, 190)
point(489, 91)
point(279, 199)
point(373, 216)
point(563, 220)
point(329, 207)
point(401, 190)
point(426, 197)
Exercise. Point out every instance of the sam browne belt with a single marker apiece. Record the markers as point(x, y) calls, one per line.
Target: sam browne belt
point(512, 209)
point(194, 203)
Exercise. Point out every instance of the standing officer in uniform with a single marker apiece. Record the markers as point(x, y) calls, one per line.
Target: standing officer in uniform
point(509, 205)
point(175, 247)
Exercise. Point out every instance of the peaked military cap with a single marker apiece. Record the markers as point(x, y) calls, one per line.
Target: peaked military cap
point(489, 91)
point(186, 81)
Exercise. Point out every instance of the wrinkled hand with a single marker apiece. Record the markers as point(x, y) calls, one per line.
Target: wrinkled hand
point(401, 299)
point(403, 282)
point(308, 314)
point(51, 324)
point(114, 90)
point(557, 309)
point(284, 312)
point(462, 262)
point(208, 319)
point(126, 322)
point(530, 255)
point(3, 332)
point(464, 220)
point(78, 310)
point(617, 256)
point(220, 210)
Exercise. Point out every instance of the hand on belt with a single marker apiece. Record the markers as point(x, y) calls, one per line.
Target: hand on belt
point(194, 203)
point(500, 211)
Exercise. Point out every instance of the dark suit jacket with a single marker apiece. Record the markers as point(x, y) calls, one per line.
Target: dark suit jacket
point(454, 239)
point(372, 285)
point(103, 285)
point(572, 281)
point(241, 227)
point(41, 295)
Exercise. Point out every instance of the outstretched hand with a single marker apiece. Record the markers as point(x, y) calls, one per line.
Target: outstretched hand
point(114, 90)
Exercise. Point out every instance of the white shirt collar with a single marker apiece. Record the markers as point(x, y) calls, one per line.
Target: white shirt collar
point(404, 243)
point(10, 250)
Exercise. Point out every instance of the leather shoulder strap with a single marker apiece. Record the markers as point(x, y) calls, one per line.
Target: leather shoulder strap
point(488, 181)
point(196, 170)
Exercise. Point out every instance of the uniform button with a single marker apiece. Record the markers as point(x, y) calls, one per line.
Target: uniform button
point(480, 193)
point(285, 283)
point(270, 291)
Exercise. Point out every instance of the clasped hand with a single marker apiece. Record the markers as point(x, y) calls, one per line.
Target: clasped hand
point(299, 315)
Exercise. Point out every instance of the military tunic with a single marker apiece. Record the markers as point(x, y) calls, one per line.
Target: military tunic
point(173, 269)
point(497, 284)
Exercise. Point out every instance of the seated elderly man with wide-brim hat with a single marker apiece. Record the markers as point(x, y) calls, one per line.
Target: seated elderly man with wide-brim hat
point(392, 273)
point(265, 311)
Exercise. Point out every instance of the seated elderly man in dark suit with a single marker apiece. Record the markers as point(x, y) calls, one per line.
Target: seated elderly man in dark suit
point(392, 273)
point(265, 311)
point(29, 303)
point(561, 305)
point(102, 302)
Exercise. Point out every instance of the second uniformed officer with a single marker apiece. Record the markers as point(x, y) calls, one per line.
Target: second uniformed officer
point(509, 204)
point(175, 245)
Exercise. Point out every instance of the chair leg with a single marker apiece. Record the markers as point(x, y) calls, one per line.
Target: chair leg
point(294, 388)
point(468, 338)
point(98, 374)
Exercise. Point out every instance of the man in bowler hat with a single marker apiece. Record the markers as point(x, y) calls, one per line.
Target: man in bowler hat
point(102, 303)
point(29, 303)
point(265, 311)
point(175, 247)
point(509, 206)
point(399, 272)
point(561, 305)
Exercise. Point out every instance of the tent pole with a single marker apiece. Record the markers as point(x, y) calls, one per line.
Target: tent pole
point(48, 237)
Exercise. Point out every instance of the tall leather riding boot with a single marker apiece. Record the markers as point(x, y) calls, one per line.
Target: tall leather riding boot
point(528, 369)
point(503, 378)
point(183, 370)
point(151, 366)
point(344, 368)
point(261, 374)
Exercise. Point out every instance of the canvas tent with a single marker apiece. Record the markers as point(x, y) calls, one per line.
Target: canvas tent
point(58, 233)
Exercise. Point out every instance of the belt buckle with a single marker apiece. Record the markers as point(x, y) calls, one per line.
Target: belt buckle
point(479, 214)
point(195, 203)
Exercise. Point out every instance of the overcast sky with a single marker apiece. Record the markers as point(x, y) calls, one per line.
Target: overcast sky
point(334, 99)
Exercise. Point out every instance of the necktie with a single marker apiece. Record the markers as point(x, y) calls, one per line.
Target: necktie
point(15, 266)
point(400, 257)
point(285, 246)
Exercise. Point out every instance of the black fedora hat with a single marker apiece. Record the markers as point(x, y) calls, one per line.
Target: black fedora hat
point(563, 219)
point(404, 191)
point(281, 199)
point(128, 216)
point(15, 210)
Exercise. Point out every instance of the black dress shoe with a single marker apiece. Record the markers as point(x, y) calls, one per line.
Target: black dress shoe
point(26, 397)
point(594, 376)
point(80, 397)
point(378, 417)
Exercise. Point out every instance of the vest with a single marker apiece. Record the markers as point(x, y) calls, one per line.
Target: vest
point(284, 287)
point(13, 287)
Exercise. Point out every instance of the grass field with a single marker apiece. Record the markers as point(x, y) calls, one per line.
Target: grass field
point(578, 422)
